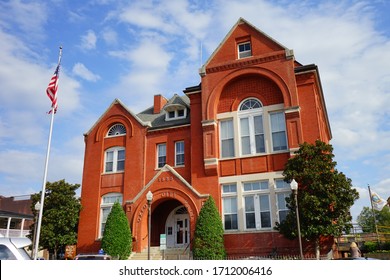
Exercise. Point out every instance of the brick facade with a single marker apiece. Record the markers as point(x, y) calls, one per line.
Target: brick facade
point(189, 126)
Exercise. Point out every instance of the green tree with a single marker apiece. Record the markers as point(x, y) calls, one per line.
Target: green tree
point(366, 219)
point(208, 240)
point(325, 195)
point(60, 216)
point(117, 237)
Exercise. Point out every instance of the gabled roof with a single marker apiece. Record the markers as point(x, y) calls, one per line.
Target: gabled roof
point(167, 168)
point(158, 121)
point(117, 101)
point(239, 22)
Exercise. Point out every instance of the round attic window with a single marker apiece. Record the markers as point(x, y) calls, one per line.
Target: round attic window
point(250, 104)
point(116, 130)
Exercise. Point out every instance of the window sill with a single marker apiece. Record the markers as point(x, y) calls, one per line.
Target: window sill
point(113, 172)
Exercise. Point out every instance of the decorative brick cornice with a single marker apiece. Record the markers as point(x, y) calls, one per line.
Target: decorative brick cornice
point(245, 63)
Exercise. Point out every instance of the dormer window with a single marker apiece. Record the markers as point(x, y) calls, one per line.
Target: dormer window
point(175, 112)
point(244, 50)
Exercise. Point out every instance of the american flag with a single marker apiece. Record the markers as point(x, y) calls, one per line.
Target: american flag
point(51, 90)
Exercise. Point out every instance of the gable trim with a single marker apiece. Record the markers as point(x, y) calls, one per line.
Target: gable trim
point(166, 168)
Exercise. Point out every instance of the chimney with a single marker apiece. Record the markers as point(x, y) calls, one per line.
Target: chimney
point(159, 103)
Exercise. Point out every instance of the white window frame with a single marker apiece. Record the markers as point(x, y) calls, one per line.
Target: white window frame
point(229, 192)
point(161, 155)
point(245, 53)
point(106, 204)
point(176, 115)
point(226, 136)
point(250, 115)
point(256, 195)
point(179, 151)
point(282, 190)
point(278, 128)
point(115, 153)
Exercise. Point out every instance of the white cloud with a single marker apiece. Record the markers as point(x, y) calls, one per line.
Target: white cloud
point(80, 70)
point(30, 17)
point(110, 36)
point(88, 41)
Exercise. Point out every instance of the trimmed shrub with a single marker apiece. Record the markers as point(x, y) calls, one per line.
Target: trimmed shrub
point(208, 240)
point(117, 238)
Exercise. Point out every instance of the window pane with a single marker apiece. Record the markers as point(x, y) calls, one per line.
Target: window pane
point(265, 219)
point(6, 253)
point(259, 134)
point(282, 215)
point(278, 128)
point(264, 202)
point(230, 205)
point(120, 161)
point(109, 161)
point(110, 156)
point(161, 150)
point(244, 50)
point(258, 124)
point(180, 113)
point(281, 201)
point(279, 141)
point(264, 185)
point(244, 124)
point(121, 155)
point(179, 153)
point(249, 204)
point(277, 121)
point(231, 221)
point(245, 145)
point(229, 188)
point(281, 184)
point(227, 139)
point(109, 166)
point(226, 129)
point(120, 165)
point(227, 148)
point(250, 220)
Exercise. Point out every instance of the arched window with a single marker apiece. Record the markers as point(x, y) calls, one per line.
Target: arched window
point(107, 202)
point(251, 127)
point(117, 130)
point(250, 104)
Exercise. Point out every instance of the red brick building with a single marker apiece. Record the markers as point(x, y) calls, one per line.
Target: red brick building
point(228, 137)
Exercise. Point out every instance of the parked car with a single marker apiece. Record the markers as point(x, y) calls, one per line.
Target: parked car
point(100, 257)
point(14, 248)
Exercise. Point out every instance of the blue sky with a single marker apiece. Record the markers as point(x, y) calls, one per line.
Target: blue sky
point(132, 50)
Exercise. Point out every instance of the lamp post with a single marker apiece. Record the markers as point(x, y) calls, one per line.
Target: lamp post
point(294, 188)
point(37, 207)
point(149, 198)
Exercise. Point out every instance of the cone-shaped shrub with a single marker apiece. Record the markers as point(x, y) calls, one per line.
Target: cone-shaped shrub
point(208, 241)
point(117, 238)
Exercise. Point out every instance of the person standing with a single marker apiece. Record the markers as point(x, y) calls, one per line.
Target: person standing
point(354, 251)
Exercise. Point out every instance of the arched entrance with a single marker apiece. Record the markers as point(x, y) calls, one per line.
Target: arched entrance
point(177, 228)
point(171, 217)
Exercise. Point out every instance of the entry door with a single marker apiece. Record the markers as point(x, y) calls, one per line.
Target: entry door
point(182, 232)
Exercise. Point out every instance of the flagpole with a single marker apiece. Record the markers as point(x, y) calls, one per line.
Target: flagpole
point(373, 214)
point(36, 245)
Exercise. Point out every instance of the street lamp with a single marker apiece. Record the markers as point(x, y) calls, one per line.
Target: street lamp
point(37, 208)
point(294, 188)
point(149, 198)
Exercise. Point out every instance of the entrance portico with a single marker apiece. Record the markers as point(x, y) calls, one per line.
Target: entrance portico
point(174, 210)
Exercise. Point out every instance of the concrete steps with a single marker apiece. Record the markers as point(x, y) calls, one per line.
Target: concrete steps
point(156, 254)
